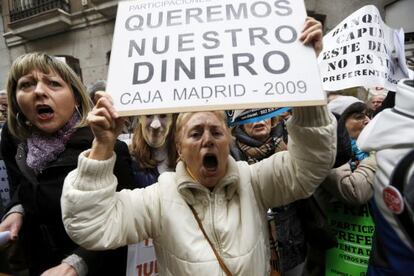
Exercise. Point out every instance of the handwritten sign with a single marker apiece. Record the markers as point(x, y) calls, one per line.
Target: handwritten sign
point(176, 55)
point(363, 51)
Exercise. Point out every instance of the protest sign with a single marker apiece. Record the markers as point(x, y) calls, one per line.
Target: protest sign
point(354, 229)
point(141, 259)
point(187, 55)
point(363, 51)
point(4, 185)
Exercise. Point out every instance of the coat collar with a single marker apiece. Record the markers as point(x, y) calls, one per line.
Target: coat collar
point(228, 185)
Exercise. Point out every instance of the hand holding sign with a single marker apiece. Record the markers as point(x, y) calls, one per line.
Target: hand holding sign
point(106, 125)
point(312, 34)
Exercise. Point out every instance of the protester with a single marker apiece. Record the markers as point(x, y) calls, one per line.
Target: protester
point(344, 195)
point(153, 148)
point(391, 135)
point(153, 152)
point(352, 182)
point(375, 98)
point(48, 106)
point(254, 142)
point(388, 102)
point(228, 199)
point(231, 198)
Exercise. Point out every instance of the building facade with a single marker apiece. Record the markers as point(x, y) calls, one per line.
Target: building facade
point(399, 14)
point(82, 29)
point(77, 29)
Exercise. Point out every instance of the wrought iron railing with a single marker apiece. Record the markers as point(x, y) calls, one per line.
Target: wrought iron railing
point(20, 9)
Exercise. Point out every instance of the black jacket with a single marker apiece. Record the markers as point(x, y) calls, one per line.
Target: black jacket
point(44, 238)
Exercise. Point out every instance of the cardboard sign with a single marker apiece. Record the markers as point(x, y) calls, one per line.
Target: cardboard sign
point(363, 51)
point(192, 55)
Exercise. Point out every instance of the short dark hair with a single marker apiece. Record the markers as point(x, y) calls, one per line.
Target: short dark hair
point(355, 108)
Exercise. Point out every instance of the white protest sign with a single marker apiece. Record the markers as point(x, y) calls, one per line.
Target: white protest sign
point(141, 259)
point(362, 51)
point(4, 185)
point(186, 55)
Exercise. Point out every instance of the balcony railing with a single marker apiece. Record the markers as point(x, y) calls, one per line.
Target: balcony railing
point(21, 9)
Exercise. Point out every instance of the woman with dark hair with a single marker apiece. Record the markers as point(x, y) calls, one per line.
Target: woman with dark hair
point(355, 118)
point(48, 107)
point(351, 179)
point(344, 195)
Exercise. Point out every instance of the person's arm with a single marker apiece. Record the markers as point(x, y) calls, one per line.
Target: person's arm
point(94, 215)
point(85, 261)
point(294, 174)
point(98, 218)
point(354, 188)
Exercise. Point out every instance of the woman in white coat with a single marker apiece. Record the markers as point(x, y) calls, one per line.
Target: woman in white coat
point(209, 190)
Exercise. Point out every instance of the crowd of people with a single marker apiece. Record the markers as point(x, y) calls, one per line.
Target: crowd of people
point(260, 198)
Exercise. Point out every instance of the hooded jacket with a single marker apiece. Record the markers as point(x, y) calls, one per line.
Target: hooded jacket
point(391, 135)
point(233, 214)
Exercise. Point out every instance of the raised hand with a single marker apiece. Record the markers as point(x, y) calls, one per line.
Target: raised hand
point(312, 34)
point(106, 125)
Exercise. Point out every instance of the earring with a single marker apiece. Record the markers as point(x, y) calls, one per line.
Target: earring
point(20, 122)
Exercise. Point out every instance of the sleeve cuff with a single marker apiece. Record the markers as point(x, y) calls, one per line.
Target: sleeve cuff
point(311, 116)
point(95, 174)
point(77, 263)
point(15, 209)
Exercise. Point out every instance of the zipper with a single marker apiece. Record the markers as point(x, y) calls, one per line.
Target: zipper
point(212, 210)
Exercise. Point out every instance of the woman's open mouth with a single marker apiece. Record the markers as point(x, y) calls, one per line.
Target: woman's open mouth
point(210, 162)
point(44, 112)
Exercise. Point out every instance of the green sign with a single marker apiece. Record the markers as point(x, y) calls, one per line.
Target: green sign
point(354, 230)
